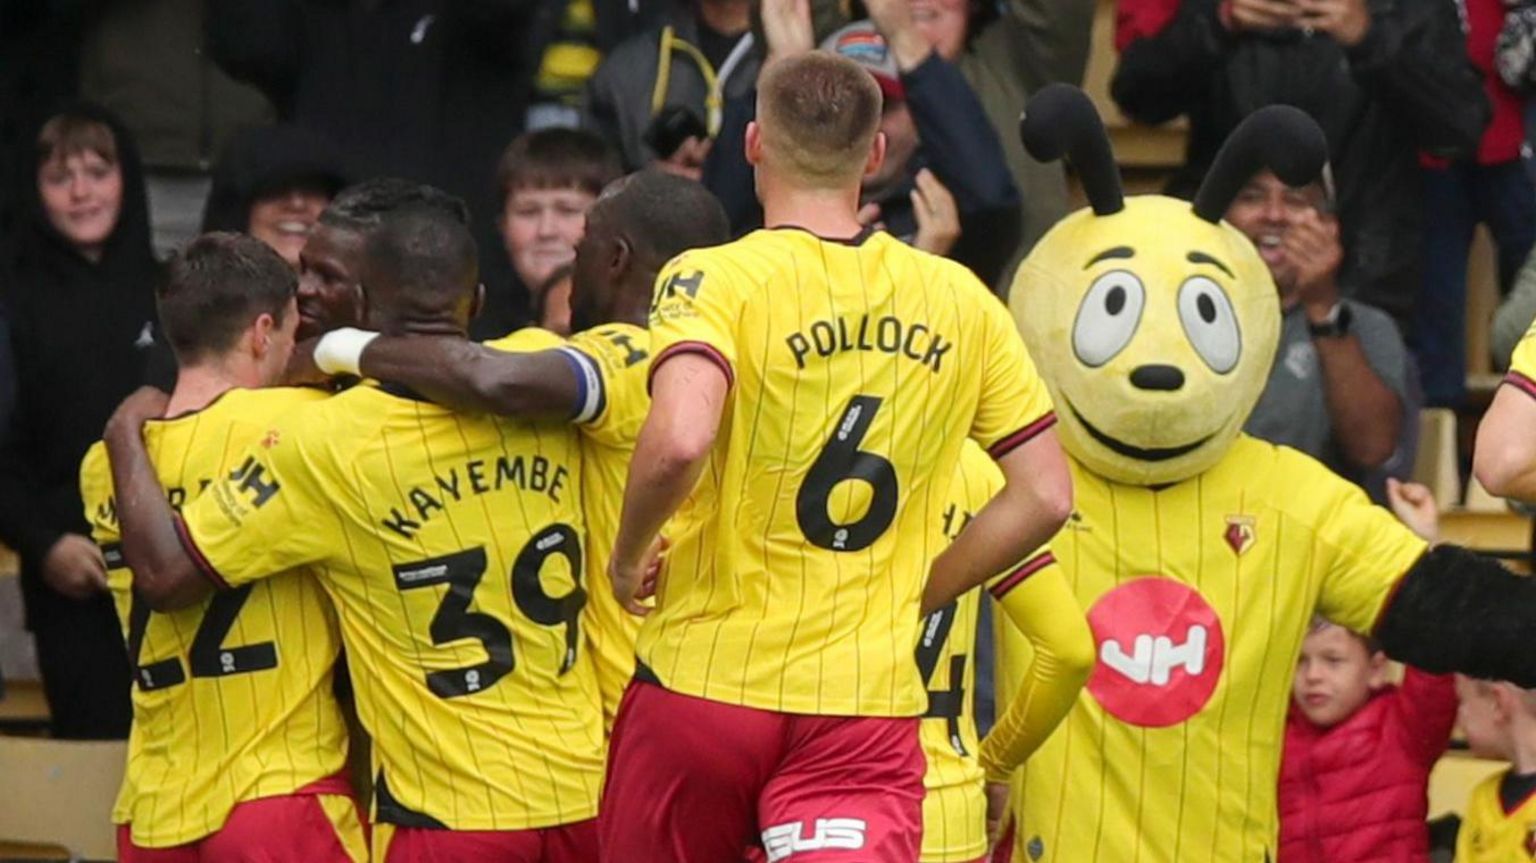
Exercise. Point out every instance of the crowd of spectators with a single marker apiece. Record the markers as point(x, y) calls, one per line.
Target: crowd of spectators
point(132, 127)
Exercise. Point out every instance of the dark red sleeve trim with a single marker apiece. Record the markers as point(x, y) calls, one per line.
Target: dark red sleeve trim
point(705, 349)
point(196, 554)
point(1522, 383)
point(1029, 567)
point(1022, 436)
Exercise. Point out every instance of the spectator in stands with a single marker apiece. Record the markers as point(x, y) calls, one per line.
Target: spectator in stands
point(429, 90)
point(81, 303)
point(1339, 389)
point(1385, 80)
point(704, 54)
point(145, 61)
point(1499, 720)
point(1490, 188)
point(272, 183)
point(1006, 52)
point(548, 180)
point(1358, 750)
point(931, 120)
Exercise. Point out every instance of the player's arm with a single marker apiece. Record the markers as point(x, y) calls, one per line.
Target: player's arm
point(466, 376)
point(1504, 459)
point(1037, 599)
point(164, 573)
point(1014, 423)
point(688, 392)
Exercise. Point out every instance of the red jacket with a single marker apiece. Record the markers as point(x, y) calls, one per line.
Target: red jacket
point(1357, 791)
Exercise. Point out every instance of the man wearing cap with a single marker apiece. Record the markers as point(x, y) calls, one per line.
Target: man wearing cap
point(931, 119)
point(1339, 388)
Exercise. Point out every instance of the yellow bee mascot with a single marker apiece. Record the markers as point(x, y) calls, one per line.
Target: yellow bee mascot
point(1201, 554)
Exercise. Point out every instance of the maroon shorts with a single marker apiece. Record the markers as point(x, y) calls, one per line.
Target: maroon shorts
point(697, 781)
point(317, 823)
point(568, 843)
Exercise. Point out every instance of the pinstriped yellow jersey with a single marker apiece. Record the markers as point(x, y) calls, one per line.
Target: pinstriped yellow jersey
point(621, 354)
point(1198, 595)
point(856, 369)
point(451, 547)
point(1493, 834)
point(1522, 364)
point(954, 809)
point(232, 697)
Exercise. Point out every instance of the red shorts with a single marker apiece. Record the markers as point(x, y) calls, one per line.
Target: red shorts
point(308, 825)
point(568, 843)
point(697, 781)
point(1003, 852)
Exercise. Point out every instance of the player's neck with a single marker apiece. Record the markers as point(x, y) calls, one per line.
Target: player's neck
point(197, 386)
point(829, 213)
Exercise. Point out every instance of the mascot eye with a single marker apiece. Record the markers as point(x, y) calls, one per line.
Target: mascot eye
point(1107, 318)
point(1210, 323)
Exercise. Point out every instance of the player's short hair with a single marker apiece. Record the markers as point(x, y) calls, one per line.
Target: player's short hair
point(361, 207)
point(215, 288)
point(420, 259)
point(664, 215)
point(556, 158)
point(818, 114)
point(68, 134)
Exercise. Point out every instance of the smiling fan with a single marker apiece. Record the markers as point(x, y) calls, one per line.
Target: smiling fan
point(1154, 322)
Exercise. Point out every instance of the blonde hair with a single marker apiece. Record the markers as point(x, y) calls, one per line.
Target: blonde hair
point(818, 114)
point(67, 135)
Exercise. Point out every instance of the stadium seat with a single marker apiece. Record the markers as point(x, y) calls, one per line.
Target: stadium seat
point(58, 794)
point(1436, 462)
point(1454, 777)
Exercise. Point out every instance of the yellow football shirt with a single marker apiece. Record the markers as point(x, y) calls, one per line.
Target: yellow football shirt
point(620, 355)
point(1490, 834)
point(1198, 595)
point(232, 697)
point(451, 547)
point(1036, 596)
point(856, 370)
point(1522, 364)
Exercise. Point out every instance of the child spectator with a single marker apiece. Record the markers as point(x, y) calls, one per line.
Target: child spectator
point(1500, 722)
point(1358, 750)
point(548, 179)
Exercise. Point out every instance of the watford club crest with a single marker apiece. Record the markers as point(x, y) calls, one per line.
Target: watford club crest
point(1239, 533)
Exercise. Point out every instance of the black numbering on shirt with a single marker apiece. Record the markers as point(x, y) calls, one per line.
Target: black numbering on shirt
point(841, 460)
point(208, 656)
point(949, 703)
point(462, 571)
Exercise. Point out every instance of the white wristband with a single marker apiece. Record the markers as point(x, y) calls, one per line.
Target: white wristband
point(340, 351)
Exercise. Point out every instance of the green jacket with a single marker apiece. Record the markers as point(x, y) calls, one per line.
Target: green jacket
point(145, 61)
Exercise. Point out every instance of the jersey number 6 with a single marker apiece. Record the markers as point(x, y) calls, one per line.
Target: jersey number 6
point(841, 460)
point(462, 572)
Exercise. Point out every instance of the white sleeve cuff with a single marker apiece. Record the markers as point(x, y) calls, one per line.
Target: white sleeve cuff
point(341, 351)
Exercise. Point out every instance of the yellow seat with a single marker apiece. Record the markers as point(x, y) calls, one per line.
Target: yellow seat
point(59, 794)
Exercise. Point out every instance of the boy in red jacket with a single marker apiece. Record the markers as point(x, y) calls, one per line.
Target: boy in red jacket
point(1358, 750)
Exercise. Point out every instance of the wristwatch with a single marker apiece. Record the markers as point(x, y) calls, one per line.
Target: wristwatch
point(1334, 326)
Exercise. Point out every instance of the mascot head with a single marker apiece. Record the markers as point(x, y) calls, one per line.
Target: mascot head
point(1153, 322)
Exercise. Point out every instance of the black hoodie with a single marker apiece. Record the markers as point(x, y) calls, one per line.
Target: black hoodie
point(80, 332)
point(267, 159)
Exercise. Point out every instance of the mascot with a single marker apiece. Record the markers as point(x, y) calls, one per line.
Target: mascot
point(1201, 554)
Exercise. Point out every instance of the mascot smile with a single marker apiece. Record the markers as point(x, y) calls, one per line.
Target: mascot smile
point(1157, 320)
